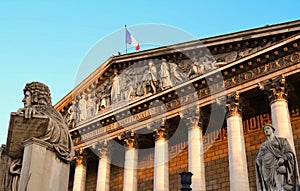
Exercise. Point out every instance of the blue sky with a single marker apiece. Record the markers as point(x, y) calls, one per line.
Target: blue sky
point(48, 40)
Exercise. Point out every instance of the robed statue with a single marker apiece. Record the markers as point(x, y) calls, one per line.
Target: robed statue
point(37, 102)
point(276, 167)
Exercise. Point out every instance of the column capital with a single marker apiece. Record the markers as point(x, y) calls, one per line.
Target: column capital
point(162, 131)
point(233, 106)
point(81, 156)
point(102, 148)
point(193, 117)
point(276, 88)
point(190, 112)
point(129, 139)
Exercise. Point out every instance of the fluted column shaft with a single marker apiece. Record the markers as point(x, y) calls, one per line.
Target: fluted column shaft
point(130, 170)
point(103, 175)
point(161, 160)
point(196, 156)
point(281, 120)
point(236, 146)
point(80, 172)
point(131, 161)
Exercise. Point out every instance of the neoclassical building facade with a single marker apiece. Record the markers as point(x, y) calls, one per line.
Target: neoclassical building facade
point(142, 118)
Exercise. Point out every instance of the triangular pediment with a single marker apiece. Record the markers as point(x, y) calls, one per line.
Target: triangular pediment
point(132, 77)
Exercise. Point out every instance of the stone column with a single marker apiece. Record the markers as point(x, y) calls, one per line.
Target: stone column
point(276, 90)
point(129, 139)
point(103, 175)
point(236, 145)
point(161, 158)
point(80, 171)
point(196, 149)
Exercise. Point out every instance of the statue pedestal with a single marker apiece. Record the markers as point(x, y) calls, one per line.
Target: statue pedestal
point(42, 169)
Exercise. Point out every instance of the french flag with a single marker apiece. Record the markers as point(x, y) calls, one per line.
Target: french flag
point(131, 40)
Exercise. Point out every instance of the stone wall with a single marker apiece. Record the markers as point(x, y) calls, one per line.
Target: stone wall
point(91, 178)
point(216, 166)
point(116, 178)
point(145, 178)
point(177, 164)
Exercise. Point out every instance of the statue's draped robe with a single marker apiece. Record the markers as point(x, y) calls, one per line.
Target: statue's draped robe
point(57, 133)
point(6, 178)
point(267, 175)
point(165, 76)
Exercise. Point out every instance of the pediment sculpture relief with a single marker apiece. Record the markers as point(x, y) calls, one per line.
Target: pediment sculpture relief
point(143, 78)
point(149, 77)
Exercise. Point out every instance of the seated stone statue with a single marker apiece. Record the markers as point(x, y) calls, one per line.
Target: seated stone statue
point(276, 168)
point(37, 100)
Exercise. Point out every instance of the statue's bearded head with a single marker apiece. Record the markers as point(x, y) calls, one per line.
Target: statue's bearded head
point(36, 93)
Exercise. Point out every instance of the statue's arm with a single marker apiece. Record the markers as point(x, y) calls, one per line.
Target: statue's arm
point(28, 112)
point(288, 153)
point(259, 157)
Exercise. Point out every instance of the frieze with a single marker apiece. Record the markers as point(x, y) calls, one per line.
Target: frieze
point(132, 119)
point(262, 70)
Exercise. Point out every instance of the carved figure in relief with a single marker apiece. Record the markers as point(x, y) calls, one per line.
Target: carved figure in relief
point(116, 89)
point(140, 88)
point(165, 75)
point(177, 76)
point(184, 66)
point(208, 61)
point(231, 57)
point(276, 168)
point(102, 101)
point(104, 95)
point(90, 106)
point(247, 51)
point(105, 101)
point(150, 78)
point(96, 104)
point(82, 104)
point(129, 90)
point(72, 115)
point(193, 67)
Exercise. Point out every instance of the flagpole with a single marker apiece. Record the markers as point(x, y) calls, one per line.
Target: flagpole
point(125, 40)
